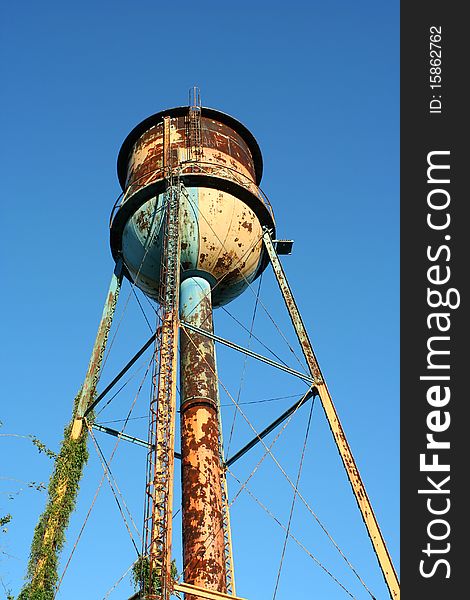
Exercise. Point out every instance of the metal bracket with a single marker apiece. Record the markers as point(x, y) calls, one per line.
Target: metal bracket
point(187, 588)
point(283, 247)
point(125, 437)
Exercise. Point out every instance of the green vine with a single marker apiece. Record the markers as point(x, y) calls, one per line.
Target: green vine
point(42, 447)
point(143, 581)
point(49, 535)
point(4, 522)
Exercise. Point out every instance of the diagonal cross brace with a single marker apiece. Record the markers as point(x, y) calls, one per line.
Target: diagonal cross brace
point(243, 350)
point(285, 415)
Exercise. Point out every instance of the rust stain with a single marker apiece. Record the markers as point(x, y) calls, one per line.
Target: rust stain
point(142, 221)
point(203, 539)
point(224, 230)
point(223, 262)
point(221, 147)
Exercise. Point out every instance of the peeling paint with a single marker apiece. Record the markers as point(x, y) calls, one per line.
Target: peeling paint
point(203, 534)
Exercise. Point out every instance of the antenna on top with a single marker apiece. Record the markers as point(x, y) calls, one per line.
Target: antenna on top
point(195, 98)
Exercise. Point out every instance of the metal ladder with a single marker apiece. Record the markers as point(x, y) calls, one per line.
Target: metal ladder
point(193, 126)
point(160, 460)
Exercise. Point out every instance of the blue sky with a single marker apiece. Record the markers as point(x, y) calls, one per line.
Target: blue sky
point(317, 84)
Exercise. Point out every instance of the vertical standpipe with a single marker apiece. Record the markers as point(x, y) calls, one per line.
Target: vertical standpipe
point(203, 536)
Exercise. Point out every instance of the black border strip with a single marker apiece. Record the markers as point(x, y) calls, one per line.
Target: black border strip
point(434, 281)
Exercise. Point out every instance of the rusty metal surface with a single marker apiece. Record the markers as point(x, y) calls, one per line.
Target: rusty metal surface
point(293, 310)
point(220, 235)
point(225, 209)
point(182, 111)
point(223, 151)
point(157, 541)
point(229, 241)
point(203, 534)
point(96, 360)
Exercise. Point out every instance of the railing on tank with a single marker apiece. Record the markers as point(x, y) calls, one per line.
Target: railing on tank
point(193, 167)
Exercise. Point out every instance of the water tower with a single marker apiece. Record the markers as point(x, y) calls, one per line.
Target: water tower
point(189, 232)
point(193, 230)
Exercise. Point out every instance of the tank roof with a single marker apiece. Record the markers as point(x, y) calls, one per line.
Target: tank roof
point(177, 111)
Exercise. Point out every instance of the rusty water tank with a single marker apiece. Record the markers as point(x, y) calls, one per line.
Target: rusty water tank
point(222, 209)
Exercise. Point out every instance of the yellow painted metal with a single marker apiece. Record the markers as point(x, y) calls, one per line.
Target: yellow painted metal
point(187, 588)
point(50, 533)
point(230, 242)
point(230, 572)
point(337, 430)
point(359, 490)
point(77, 427)
point(228, 548)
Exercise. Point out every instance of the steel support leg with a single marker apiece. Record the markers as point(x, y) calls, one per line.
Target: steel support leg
point(203, 534)
point(94, 367)
point(344, 450)
point(68, 468)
